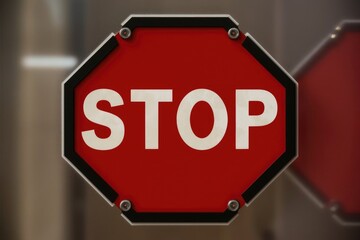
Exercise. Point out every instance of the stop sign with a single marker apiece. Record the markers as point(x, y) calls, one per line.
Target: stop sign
point(328, 165)
point(179, 119)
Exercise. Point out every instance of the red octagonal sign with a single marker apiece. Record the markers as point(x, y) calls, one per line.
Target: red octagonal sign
point(179, 119)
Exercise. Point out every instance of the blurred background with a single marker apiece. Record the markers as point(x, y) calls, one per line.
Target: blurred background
point(42, 41)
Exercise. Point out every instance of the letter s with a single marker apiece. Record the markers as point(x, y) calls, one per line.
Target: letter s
point(116, 125)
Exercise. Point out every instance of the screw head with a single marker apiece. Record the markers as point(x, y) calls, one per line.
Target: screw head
point(233, 205)
point(125, 33)
point(333, 206)
point(125, 205)
point(233, 33)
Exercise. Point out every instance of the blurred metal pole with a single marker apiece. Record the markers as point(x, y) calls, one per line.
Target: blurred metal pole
point(9, 42)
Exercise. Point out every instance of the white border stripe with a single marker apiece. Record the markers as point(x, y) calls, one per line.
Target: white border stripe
point(178, 15)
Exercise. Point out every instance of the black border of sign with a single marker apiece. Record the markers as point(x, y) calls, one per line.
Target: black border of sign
point(330, 40)
point(226, 22)
point(139, 218)
point(291, 118)
point(109, 194)
point(221, 21)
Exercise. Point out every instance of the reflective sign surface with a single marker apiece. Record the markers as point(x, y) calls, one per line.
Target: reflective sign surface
point(180, 124)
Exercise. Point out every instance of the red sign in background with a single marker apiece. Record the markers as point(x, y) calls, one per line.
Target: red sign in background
point(329, 122)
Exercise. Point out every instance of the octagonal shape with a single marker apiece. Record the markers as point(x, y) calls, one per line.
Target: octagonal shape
point(165, 177)
point(329, 86)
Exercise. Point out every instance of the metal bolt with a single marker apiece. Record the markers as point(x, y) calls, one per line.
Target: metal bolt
point(233, 33)
point(333, 206)
point(125, 33)
point(233, 205)
point(125, 205)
